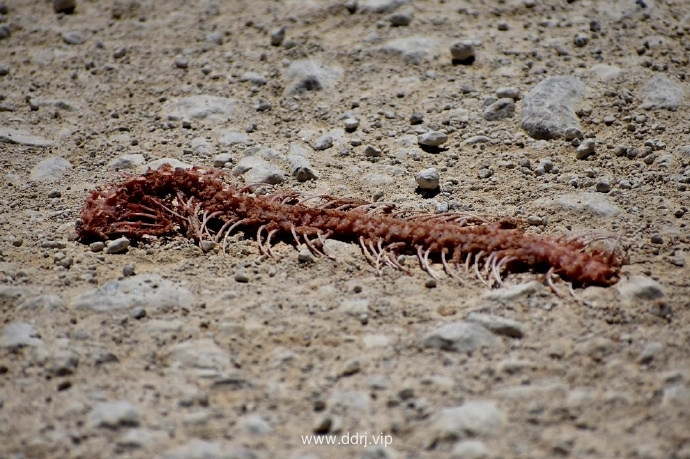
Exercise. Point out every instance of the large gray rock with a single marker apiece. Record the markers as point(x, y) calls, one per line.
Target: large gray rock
point(50, 169)
point(549, 108)
point(460, 337)
point(209, 108)
point(476, 418)
point(146, 290)
point(16, 335)
point(310, 75)
point(661, 93)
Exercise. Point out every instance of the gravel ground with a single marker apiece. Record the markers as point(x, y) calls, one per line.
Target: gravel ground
point(569, 115)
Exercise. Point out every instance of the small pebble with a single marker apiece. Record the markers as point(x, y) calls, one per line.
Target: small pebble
point(581, 40)
point(137, 313)
point(120, 52)
point(428, 179)
point(585, 149)
point(54, 194)
point(73, 38)
point(4, 69)
point(181, 62)
point(64, 6)
point(510, 92)
point(657, 239)
point(277, 36)
point(305, 256)
point(117, 245)
point(503, 26)
point(128, 270)
point(207, 246)
point(603, 186)
point(372, 151)
point(416, 118)
point(400, 19)
point(430, 282)
point(323, 143)
point(97, 246)
point(462, 52)
point(241, 275)
point(351, 124)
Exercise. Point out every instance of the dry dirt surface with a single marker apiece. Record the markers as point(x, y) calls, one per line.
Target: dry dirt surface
point(569, 115)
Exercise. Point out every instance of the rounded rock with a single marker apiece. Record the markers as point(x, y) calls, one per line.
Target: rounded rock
point(428, 179)
point(117, 245)
point(462, 51)
point(351, 124)
point(4, 69)
point(64, 6)
point(181, 62)
point(73, 38)
point(433, 139)
point(585, 149)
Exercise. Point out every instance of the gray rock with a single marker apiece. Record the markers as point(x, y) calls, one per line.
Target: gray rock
point(351, 124)
point(64, 6)
point(8, 135)
point(310, 75)
point(640, 288)
point(323, 143)
point(4, 69)
point(145, 290)
point(257, 170)
point(585, 149)
point(181, 62)
point(513, 293)
point(263, 105)
point(475, 418)
point(73, 38)
point(354, 400)
point(209, 108)
point(43, 302)
point(549, 108)
point(16, 335)
point(380, 6)
point(199, 354)
point(428, 179)
point(676, 395)
point(650, 352)
point(175, 163)
point(255, 425)
point(5, 31)
point(199, 449)
point(222, 159)
point(200, 146)
point(661, 93)
point(114, 415)
point(509, 92)
point(50, 169)
point(371, 151)
point(433, 139)
point(118, 245)
point(413, 50)
point(470, 449)
point(595, 203)
point(127, 162)
point(498, 325)
point(277, 36)
point(501, 109)
point(301, 169)
point(462, 51)
point(254, 78)
point(401, 19)
point(230, 138)
point(460, 337)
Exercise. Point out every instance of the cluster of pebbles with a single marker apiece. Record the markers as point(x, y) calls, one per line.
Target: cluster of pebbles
point(570, 116)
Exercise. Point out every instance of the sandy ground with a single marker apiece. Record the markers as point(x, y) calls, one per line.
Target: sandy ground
point(164, 350)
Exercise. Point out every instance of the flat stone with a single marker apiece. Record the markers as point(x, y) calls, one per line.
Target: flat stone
point(460, 337)
point(16, 335)
point(549, 108)
point(127, 162)
point(310, 75)
point(19, 137)
point(661, 93)
point(413, 50)
point(433, 139)
point(50, 169)
point(475, 418)
point(380, 6)
point(210, 108)
point(144, 290)
point(594, 203)
point(114, 415)
point(257, 170)
point(73, 38)
point(498, 325)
